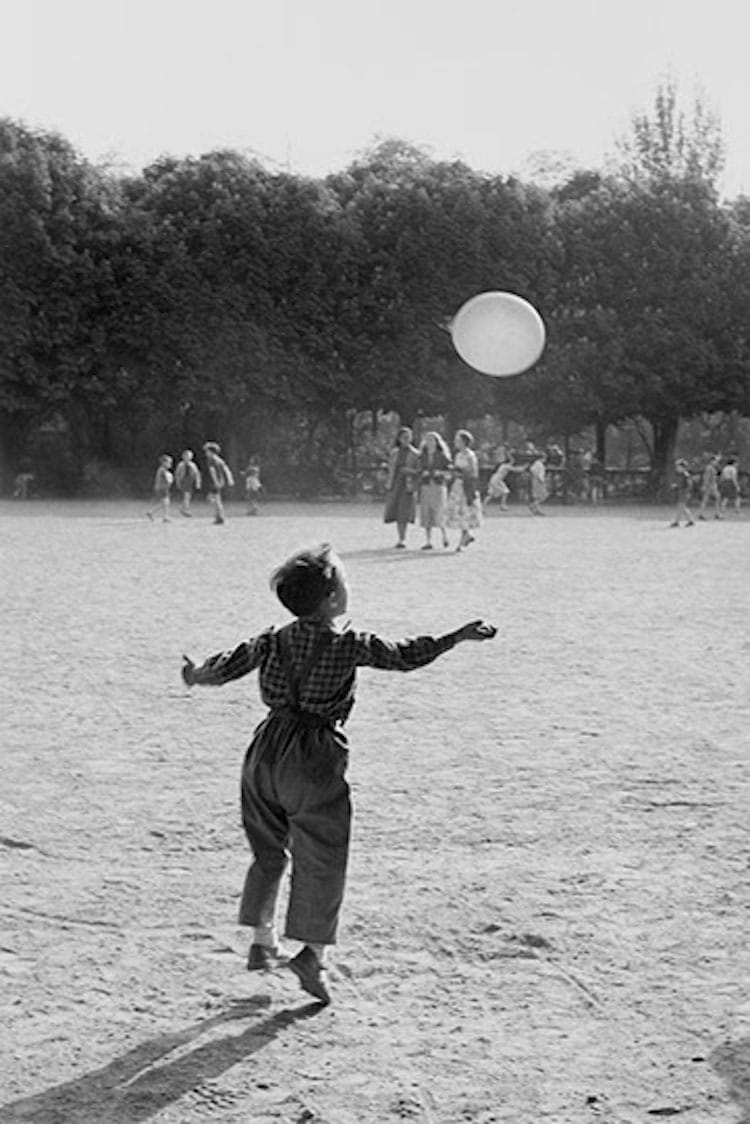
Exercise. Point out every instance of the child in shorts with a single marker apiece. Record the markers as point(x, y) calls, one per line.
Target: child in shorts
point(295, 797)
point(163, 481)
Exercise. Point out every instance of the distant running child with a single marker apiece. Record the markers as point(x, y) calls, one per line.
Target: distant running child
point(295, 797)
point(497, 486)
point(163, 481)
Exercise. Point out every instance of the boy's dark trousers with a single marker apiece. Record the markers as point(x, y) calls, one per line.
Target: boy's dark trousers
point(295, 798)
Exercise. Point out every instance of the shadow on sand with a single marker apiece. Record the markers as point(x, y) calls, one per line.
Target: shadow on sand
point(389, 554)
point(134, 1087)
point(732, 1063)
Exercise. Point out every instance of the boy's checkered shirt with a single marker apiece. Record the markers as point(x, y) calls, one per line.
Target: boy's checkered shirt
point(329, 689)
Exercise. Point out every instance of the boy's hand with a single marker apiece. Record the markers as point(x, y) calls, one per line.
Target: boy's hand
point(478, 630)
point(188, 671)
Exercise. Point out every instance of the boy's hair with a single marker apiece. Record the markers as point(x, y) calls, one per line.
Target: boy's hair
point(305, 579)
point(466, 437)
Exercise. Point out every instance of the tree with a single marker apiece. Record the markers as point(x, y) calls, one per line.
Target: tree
point(673, 143)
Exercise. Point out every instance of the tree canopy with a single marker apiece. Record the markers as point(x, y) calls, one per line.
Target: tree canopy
point(215, 295)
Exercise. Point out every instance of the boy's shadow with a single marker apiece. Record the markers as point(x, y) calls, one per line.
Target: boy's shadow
point(732, 1062)
point(133, 1088)
point(388, 554)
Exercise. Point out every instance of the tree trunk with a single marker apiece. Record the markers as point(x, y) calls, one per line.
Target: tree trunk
point(665, 438)
point(601, 442)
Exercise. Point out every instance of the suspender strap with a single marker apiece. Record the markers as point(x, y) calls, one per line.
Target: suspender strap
point(297, 683)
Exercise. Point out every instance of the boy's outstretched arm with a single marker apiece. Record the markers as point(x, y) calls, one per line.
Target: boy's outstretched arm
point(225, 666)
point(408, 655)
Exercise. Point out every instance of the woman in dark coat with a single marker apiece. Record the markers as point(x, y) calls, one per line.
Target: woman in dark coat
point(403, 470)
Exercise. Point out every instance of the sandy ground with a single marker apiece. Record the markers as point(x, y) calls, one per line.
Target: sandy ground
point(547, 910)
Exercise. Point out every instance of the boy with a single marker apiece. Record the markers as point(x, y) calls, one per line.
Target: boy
point(188, 480)
point(163, 481)
point(219, 477)
point(729, 485)
point(253, 486)
point(294, 792)
point(710, 488)
point(683, 485)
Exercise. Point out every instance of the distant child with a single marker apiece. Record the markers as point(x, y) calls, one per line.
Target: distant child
point(21, 485)
point(683, 486)
point(253, 486)
point(710, 488)
point(163, 481)
point(219, 477)
point(188, 480)
point(497, 487)
point(295, 798)
point(537, 476)
point(729, 485)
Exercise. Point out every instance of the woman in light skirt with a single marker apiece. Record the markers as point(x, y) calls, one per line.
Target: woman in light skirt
point(434, 472)
point(464, 503)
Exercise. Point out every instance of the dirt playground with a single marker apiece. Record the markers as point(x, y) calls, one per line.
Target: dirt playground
point(547, 911)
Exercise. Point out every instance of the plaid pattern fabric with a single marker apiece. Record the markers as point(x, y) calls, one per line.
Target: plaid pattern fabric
point(329, 689)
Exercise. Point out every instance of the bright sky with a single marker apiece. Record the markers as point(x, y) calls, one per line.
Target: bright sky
point(309, 83)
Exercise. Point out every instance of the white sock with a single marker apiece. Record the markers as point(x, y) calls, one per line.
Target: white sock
point(265, 935)
point(320, 952)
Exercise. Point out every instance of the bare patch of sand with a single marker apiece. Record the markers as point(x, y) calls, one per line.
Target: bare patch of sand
point(546, 916)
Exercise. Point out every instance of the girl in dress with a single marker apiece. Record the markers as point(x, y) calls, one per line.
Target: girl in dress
point(434, 470)
point(464, 503)
point(403, 468)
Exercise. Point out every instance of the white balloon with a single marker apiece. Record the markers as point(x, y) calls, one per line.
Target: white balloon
point(498, 334)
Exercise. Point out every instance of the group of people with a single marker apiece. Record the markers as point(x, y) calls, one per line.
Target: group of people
point(498, 488)
point(187, 478)
point(445, 489)
point(719, 487)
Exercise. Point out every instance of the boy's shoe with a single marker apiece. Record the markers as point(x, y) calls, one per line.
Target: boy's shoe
point(308, 971)
point(262, 958)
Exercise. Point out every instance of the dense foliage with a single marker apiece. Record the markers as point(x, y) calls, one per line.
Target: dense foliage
point(281, 315)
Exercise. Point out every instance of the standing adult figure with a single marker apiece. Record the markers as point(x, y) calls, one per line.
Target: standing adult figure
point(434, 470)
point(401, 484)
point(219, 477)
point(464, 503)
